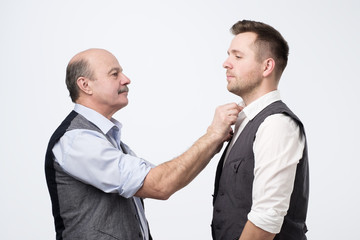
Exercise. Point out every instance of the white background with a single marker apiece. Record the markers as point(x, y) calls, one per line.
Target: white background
point(173, 52)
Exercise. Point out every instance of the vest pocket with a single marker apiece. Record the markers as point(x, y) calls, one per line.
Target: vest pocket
point(242, 177)
point(105, 234)
point(236, 165)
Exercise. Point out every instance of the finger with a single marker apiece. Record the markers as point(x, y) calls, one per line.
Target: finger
point(233, 112)
point(234, 107)
point(230, 106)
point(232, 120)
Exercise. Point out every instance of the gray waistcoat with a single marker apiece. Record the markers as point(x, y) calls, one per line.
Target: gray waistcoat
point(82, 211)
point(233, 185)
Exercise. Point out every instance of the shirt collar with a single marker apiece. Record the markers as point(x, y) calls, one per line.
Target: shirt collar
point(96, 118)
point(259, 104)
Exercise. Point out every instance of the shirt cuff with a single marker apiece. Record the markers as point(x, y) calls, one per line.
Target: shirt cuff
point(269, 220)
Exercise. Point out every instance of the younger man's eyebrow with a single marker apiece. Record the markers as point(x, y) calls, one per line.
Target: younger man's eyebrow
point(234, 51)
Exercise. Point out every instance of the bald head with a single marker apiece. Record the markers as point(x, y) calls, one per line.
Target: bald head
point(81, 65)
point(92, 54)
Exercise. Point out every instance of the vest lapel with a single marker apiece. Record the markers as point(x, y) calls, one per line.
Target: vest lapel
point(219, 171)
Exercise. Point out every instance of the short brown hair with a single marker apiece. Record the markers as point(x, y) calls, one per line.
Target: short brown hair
point(74, 70)
point(268, 40)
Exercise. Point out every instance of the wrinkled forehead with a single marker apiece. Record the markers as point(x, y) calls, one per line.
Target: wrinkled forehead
point(101, 62)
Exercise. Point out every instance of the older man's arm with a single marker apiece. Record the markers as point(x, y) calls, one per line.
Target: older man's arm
point(169, 177)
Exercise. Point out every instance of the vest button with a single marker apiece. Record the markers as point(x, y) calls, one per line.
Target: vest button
point(217, 210)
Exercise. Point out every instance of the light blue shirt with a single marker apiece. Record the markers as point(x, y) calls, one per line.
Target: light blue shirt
point(88, 156)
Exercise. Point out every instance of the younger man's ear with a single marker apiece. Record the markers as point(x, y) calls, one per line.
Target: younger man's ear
point(269, 66)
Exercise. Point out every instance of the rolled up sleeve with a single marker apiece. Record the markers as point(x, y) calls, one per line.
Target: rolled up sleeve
point(89, 157)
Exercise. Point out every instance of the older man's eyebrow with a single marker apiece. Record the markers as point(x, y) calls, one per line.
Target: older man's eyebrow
point(116, 69)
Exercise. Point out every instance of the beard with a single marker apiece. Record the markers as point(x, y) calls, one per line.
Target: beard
point(245, 86)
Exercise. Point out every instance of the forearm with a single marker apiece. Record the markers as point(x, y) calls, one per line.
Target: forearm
point(162, 181)
point(169, 177)
point(252, 232)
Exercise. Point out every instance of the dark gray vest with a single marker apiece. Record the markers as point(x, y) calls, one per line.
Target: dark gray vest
point(82, 211)
point(233, 185)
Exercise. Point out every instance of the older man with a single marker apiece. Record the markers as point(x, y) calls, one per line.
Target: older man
point(96, 182)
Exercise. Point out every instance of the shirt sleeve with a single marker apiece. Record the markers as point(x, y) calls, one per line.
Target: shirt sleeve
point(278, 149)
point(89, 157)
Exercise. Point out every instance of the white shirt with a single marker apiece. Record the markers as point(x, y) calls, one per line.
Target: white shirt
point(278, 147)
